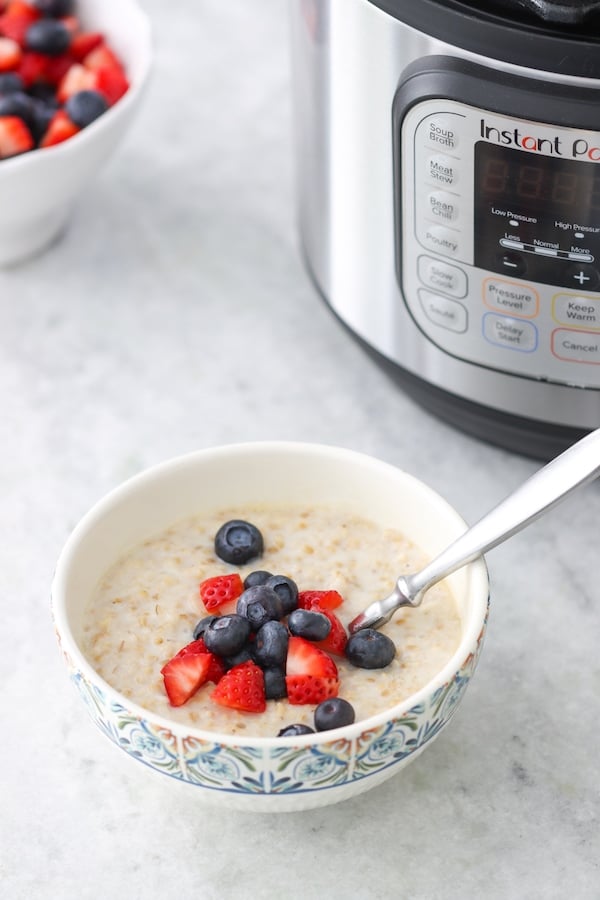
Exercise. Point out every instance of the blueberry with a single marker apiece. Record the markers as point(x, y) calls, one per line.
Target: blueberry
point(85, 106)
point(370, 649)
point(333, 713)
point(17, 104)
point(259, 604)
point(242, 656)
point(55, 8)
point(227, 635)
point(271, 644)
point(293, 730)
point(287, 591)
point(48, 36)
point(41, 115)
point(238, 542)
point(309, 624)
point(10, 82)
point(202, 625)
point(40, 90)
point(275, 687)
point(258, 577)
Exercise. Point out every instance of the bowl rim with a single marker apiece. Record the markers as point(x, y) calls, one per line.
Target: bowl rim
point(469, 642)
point(65, 148)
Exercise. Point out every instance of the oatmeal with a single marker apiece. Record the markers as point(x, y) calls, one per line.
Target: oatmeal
point(146, 607)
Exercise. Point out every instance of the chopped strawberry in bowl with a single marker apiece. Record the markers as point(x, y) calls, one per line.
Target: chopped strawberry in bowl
point(72, 72)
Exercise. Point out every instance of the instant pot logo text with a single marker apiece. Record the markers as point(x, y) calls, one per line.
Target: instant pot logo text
point(579, 148)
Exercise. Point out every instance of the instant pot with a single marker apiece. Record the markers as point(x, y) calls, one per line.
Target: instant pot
point(449, 200)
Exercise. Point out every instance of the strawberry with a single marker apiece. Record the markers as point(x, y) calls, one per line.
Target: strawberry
point(184, 675)
point(56, 68)
point(16, 19)
point(60, 129)
point(319, 599)
point(76, 79)
point(15, 136)
point(111, 83)
point(216, 670)
point(32, 67)
point(336, 640)
point(84, 43)
point(71, 23)
point(311, 675)
point(102, 57)
point(220, 589)
point(243, 688)
point(10, 54)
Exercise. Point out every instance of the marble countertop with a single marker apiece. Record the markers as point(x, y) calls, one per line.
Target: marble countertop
point(176, 314)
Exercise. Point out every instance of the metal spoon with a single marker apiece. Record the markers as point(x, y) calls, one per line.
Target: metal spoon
point(547, 487)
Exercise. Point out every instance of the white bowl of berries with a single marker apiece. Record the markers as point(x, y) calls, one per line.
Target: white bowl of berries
point(202, 610)
point(71, 76)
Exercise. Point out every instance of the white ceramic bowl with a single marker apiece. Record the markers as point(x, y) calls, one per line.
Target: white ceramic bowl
point(38, 189)
point(272, 774)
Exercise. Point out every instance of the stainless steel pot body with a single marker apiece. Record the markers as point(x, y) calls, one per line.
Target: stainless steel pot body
point(349, 59)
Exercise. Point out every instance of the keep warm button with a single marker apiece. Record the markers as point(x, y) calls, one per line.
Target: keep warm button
point(514, 334)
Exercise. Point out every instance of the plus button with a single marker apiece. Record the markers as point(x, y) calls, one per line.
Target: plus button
point(585, 276)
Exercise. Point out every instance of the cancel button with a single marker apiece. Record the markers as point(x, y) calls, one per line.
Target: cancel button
point(576, 346)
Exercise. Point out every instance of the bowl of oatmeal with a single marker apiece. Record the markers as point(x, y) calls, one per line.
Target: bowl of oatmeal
point(127, 603)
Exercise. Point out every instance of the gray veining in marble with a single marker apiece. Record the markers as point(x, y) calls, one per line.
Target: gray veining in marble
point(176, 314)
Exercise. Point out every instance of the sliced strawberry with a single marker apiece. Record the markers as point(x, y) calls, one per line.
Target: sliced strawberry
point(102, 57)
point(15, 137)
point(10, 54)
point(112, 83)
point(84, 43)
point(14, 27)
point(216, 669)
point(336, 640)
point(320, 599)
point(220, 589)
point(56, 68)
point(60, 129)
point(21, 8)
point(76, 79)
point(243, 688)
point(71, 23)
point(184, 675)
point(32, 67)
point(311, 675)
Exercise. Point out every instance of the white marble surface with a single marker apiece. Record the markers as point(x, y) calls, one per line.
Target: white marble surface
point(176, 314)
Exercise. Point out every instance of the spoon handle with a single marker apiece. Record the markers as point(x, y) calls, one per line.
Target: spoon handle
point(547, 487)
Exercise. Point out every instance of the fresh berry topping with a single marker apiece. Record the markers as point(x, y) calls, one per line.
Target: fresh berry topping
point(333, 713)
point(320, 599)
point(311, 675)
point(244, 655)
point(202, 625)
point(309, 624)
point(15, 22)
point(237, 541)
point(242, 688)
point(85, 106)
point(258, 577)
point(111, 82)
point(215, 592)
point(15, 136)
point(370, 649)
point(17, 104)
point(77, 78)
point(275, 687)
point(295, 730)
point(336, 640)
point(55, 8)
point(287, 591)
point(48, 36)
point(83, 44)
point(10, 83)
point(60, 129)
point(259, 604)
point(184, 674)
point(10, 54)
point(271, 645)
point(226, 635)
point(216, 669)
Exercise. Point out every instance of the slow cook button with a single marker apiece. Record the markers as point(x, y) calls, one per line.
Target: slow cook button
point(441, 170)
point(441, 276)
point(443, 240)
point(514, 334)
point(440, 132)
point(444, 312)
point(510, 297)
point(442, 207)
point(578, 311)
point(576, 346)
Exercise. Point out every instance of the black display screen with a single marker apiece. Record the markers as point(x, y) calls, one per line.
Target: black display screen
point(548, 204)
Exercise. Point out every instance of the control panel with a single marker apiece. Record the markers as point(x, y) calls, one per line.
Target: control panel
point(500, 240)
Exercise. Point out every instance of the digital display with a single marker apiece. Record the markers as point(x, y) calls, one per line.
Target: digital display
point(545, 207)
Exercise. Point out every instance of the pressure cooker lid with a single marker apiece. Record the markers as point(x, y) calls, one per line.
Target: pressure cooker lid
point(564, 12)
